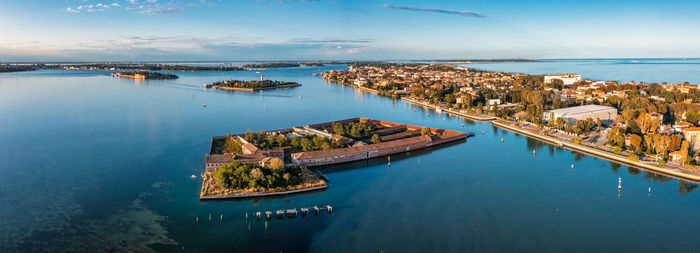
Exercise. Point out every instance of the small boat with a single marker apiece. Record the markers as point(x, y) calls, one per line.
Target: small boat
point(280, 214)
point(193, 176)
point(204, 105)
point(304, 211)
point(291, 213)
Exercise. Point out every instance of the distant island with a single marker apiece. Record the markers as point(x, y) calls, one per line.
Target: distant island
point(274, 162)
point(143, 75)
point(17, 68)
point(282, 65)
point(149, 67)
point(250, 86)
point(468, 61)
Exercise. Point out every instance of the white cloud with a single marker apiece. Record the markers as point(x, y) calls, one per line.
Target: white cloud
point(71, 10)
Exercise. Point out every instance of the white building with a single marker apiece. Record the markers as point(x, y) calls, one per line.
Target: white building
point(568, 79)
point(494, 101)
point(572, 114)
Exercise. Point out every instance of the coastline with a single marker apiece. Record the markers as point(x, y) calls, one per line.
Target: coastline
point(601, 154)
point(211, 191)
point(254, 89)
point(267, 194)
point(669, 172)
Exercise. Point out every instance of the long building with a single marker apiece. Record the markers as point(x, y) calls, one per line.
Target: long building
point(572, 114)
point(567, 79)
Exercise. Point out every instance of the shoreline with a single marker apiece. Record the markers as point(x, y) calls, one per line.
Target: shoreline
point(267, 194)
point(566, 144)
point(254, 89)
point(600, 154)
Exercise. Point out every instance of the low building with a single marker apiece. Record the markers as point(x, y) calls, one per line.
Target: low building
point(675, 155)
point(681, 125)
point(692, 135)
point(567, 79)
point(494, 101)
point(658, 116)
point(572, 114)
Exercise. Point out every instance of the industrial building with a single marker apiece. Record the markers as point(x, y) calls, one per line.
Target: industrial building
point(567, 79)
point(572, 114)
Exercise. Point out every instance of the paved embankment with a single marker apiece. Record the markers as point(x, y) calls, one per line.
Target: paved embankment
point(602, 154)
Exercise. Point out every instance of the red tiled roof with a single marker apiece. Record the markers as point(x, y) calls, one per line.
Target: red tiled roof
point(352, 150)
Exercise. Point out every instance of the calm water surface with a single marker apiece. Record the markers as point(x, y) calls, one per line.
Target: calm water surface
point(640, 70)
point(94, 163)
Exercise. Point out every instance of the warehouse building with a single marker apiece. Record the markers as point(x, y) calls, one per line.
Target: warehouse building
point(572, 114)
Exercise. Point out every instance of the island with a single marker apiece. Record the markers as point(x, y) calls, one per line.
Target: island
point(648, 126)
point(276, 162)
point(146, 67)
point(143, 75)
point(250, 86)
point(17, 68)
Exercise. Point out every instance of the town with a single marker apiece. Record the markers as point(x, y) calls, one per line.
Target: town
point(646, 123)
point(276, 162)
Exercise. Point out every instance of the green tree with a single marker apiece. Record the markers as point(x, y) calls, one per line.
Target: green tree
point(425, 131)
point(276, 164)
point(376, 139)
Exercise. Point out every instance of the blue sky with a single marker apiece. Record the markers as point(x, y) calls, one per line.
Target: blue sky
point(115, 30)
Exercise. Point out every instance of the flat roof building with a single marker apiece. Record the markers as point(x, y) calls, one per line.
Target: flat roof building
point(568, 79)
point(572, 114)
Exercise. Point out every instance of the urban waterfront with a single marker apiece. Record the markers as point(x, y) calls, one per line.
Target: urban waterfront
point(90, 161)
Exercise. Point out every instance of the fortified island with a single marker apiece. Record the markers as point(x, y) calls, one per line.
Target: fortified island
point(143, 75)
point(275, 162)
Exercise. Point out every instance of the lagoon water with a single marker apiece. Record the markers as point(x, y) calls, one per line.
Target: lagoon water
point(93, 163)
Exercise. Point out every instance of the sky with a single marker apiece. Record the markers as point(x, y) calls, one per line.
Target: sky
point(273, 30)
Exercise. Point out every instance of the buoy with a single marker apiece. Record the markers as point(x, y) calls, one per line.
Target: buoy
point(572, 166)
point(649, 189)
point(196, 219)
point(246, 215)
point(222, 218)
point(533, 152)
point(209, 218)
point(619, 183)
point(501, 140)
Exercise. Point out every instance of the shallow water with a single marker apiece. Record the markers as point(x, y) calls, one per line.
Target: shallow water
point(93, 163)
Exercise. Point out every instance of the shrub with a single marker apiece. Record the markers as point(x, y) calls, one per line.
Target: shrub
point(633, 157)
point(617, 150)
point(661, 162)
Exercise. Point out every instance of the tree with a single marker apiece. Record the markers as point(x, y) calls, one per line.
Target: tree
point(338, 129)
point(425, 131)
point(647, 124)
point(276, 164)
point(692, 117)
point(376, 139)
point(684, 152)
point(615, 137)
point(636, 142)
point(256, 174)
point(232, 145)
point(306, 144)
